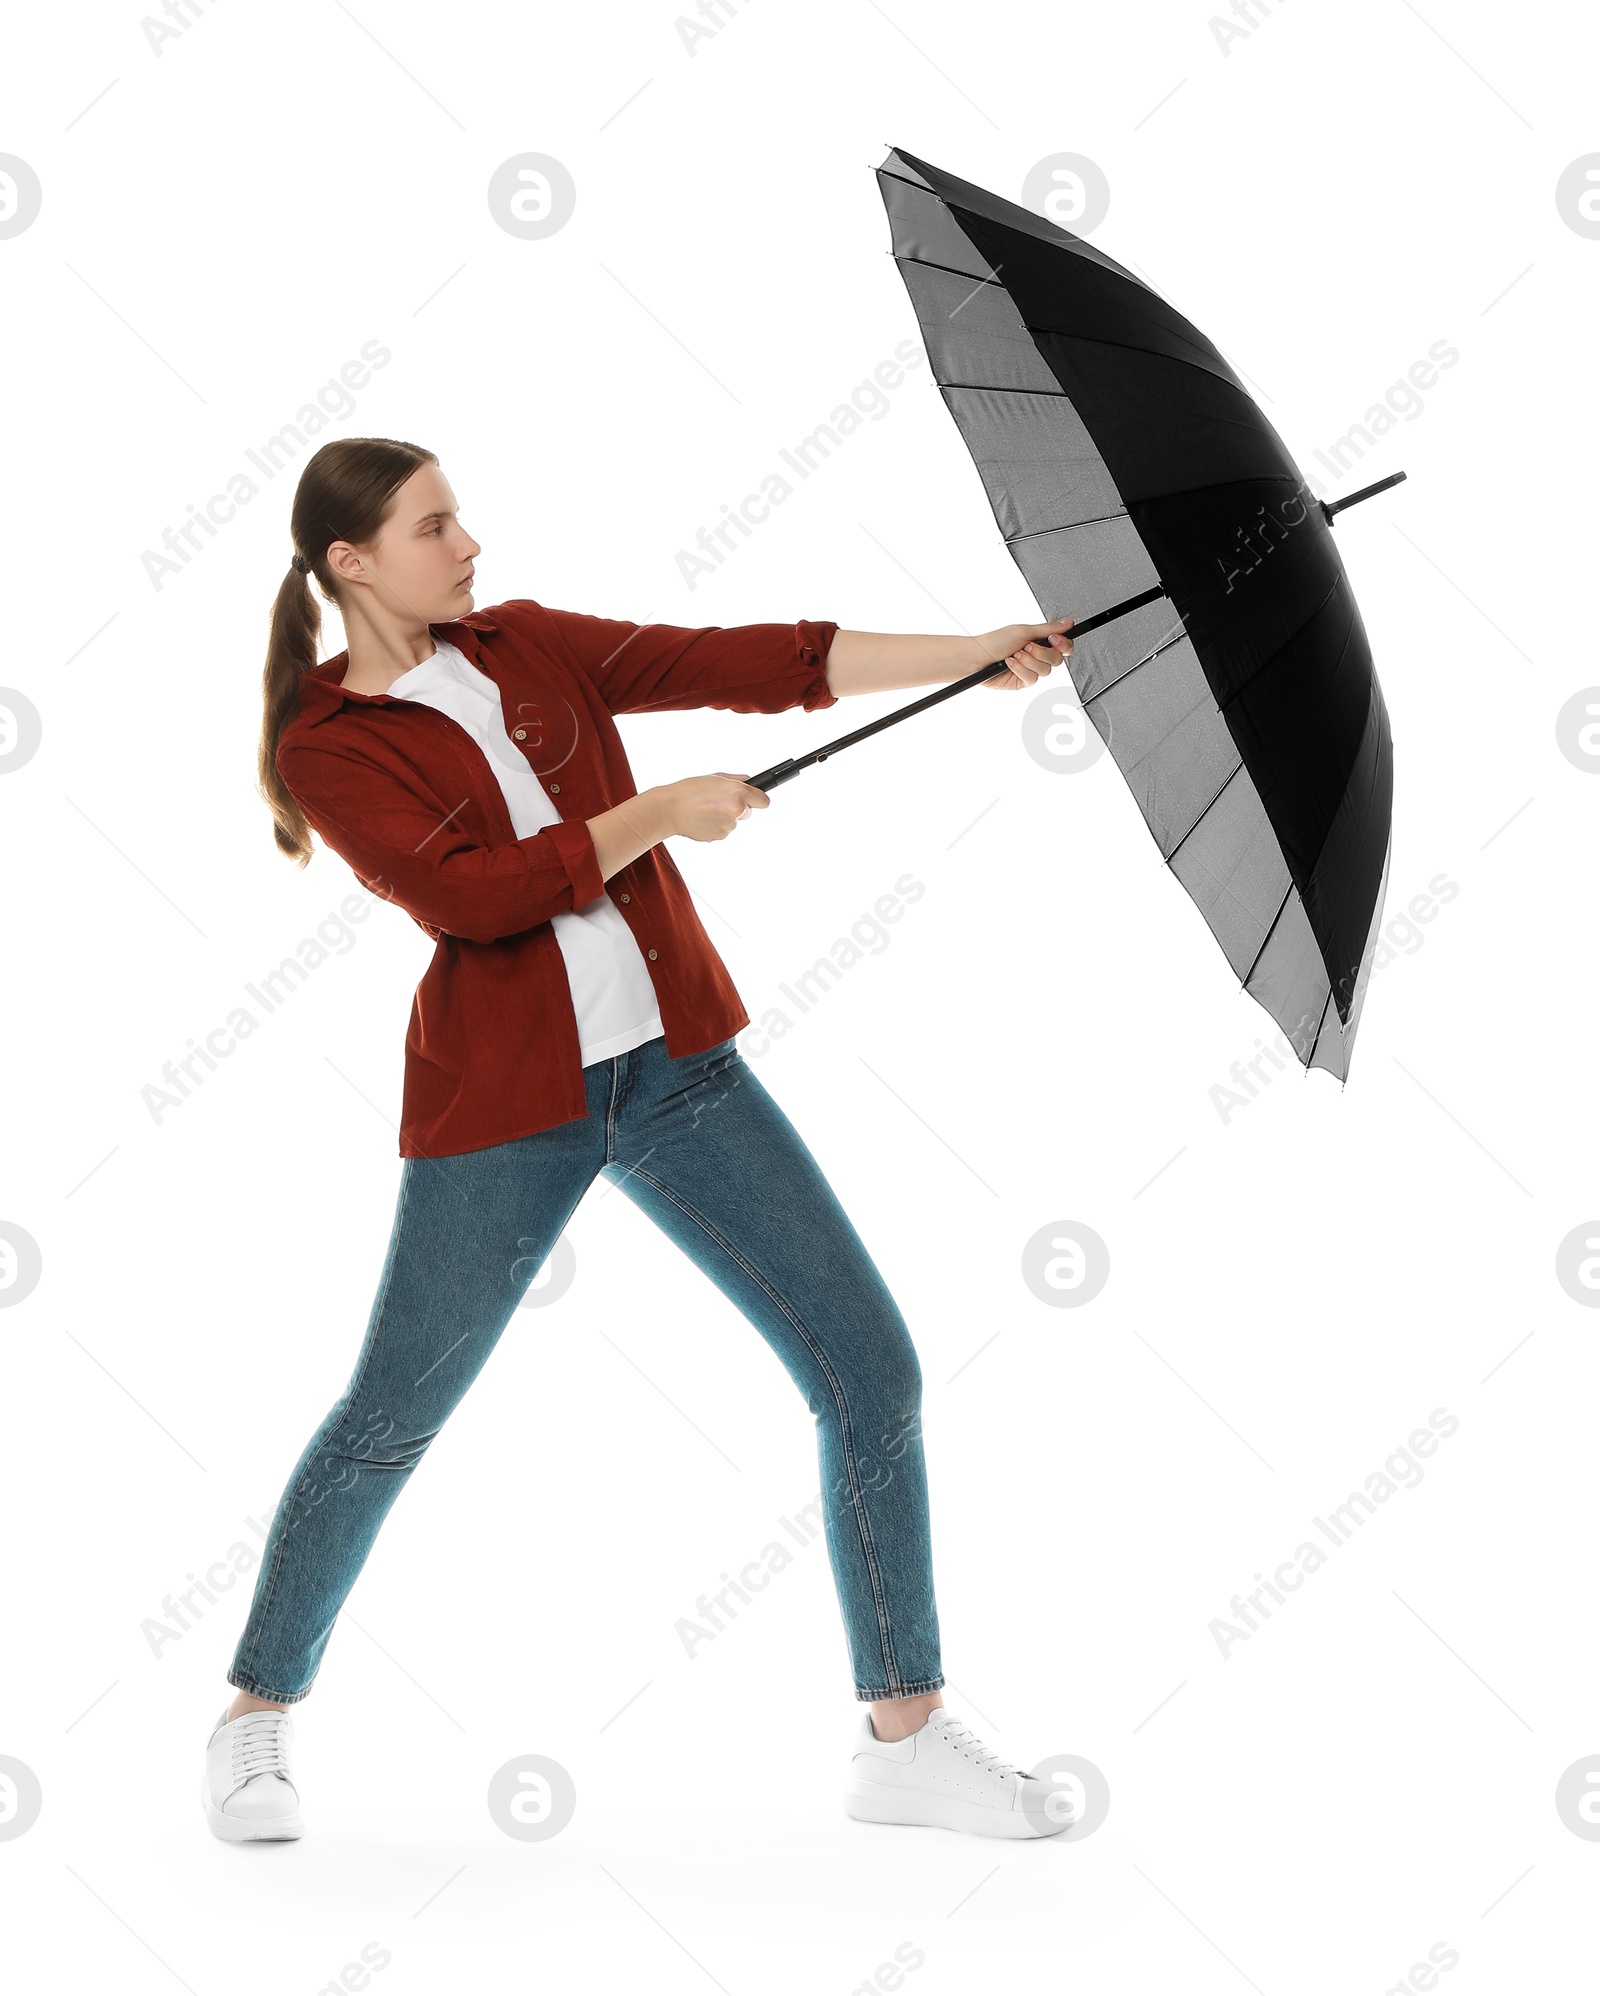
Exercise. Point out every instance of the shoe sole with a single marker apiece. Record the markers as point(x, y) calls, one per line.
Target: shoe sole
point(916, 1808)
point(242, 1830)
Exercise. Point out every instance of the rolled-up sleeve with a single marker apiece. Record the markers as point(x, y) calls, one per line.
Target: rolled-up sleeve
point(653, 668)
point(411, 851)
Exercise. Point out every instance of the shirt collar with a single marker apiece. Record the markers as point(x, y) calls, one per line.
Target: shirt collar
point(322, 695)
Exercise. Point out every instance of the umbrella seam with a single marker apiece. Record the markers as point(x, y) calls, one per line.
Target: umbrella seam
point(1373, 689)
point(921, 187)
point(952, 205)
point(949, 269)
point(1321, 1022)
point(1067, 526)
point(1228, 378)
point(1328, 834)
point(1005, 388)
point(1232, 773)
point(1099, 519)
point(1272, 927)
point(1278, 649)
point(1149, 659)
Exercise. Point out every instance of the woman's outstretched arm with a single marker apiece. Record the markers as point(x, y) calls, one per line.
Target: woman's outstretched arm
point(883, 661)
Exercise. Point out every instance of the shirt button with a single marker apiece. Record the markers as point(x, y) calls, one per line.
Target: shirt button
point(555, 789)
point(652, 956)
point(625, 897)
point(521, 734)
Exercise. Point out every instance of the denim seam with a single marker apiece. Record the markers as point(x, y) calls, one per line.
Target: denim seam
point(611, 1111)
point(346, 1401)
point(257, 1690)
point(862, 1524)
point(905, 1691)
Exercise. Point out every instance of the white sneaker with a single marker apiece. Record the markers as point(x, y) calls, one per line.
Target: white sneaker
point(943, 1776)
point(246, 1790)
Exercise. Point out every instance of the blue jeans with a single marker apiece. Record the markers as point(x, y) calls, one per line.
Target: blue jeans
point(700, 1146)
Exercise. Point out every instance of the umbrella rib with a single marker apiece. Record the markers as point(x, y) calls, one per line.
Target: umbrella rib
point(1165, 645)
point(949, 269)
point(1065, 240)
point(1376, 691)
point(1232, 773)
point(1365, 818)
point(1067, 526)
point(1321, 1023)
point(1005, 388)
point(885, 174)
point(1099, 519)
point(1272, 927)
point(1209, 366)
point(1276, 652)
point(1280, 648)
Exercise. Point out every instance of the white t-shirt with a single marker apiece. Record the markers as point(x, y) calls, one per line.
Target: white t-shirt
point(612, 995)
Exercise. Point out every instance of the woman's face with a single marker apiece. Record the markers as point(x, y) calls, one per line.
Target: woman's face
point(423, 555)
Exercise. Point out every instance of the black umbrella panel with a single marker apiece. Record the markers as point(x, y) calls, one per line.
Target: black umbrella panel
point(1217, 646)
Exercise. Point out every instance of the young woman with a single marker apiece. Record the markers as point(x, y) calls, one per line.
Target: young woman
point(575, 1022)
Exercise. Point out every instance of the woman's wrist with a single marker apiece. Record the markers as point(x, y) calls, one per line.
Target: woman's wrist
point(625, 831)
point(649, 814)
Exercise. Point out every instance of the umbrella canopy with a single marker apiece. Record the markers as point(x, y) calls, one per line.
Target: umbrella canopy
point(1130, 472)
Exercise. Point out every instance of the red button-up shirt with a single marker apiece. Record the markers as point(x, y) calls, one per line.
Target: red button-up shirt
point(405, 795)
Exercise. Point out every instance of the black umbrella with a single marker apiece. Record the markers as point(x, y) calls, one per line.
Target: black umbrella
point(1218, 649)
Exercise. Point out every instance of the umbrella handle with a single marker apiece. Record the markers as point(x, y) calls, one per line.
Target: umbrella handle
point(782, 772)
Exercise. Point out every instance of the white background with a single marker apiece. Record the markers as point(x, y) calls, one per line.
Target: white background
point(1370, 1774)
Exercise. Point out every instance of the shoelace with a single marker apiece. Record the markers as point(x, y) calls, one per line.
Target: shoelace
point(259, 1746)
point(965, 1740)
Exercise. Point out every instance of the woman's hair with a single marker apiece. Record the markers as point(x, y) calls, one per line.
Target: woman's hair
point(344, 494)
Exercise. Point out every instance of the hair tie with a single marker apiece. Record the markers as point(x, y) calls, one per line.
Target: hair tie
point(299, 562)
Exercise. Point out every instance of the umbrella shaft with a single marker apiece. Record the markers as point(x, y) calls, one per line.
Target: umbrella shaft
point(781, 772)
